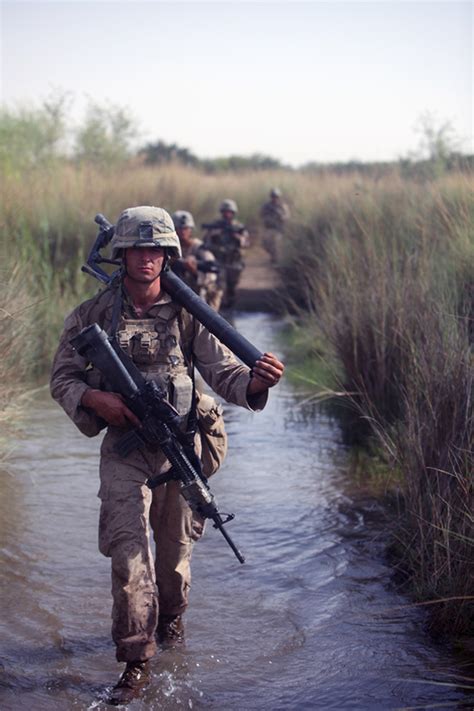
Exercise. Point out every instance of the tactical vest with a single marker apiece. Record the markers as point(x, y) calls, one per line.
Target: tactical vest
point(154, 344)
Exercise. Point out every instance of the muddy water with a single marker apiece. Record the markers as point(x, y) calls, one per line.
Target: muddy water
point(309, 622)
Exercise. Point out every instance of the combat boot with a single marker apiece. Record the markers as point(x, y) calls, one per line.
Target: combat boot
point(170, 630)
point(131, 684)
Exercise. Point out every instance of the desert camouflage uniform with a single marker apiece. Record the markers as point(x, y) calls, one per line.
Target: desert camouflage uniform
point(157, 343)
point(203, 283)
point(274, 215)
point(226, 241)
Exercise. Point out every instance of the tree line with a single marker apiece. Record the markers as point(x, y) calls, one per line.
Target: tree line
point(107, 135)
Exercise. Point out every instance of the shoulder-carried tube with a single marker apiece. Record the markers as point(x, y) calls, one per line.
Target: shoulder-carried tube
point(216, 324)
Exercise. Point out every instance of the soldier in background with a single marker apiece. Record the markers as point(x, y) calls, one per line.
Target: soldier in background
point(226, 238)
point(197, 267)
point(274, 214)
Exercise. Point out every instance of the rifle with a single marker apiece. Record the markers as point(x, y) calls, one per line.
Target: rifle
point(94, 258)
point(224, 225)
point(207, 266)
point(160, 425)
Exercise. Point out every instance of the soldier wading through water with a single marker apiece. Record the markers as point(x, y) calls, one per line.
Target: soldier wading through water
point(149, 596)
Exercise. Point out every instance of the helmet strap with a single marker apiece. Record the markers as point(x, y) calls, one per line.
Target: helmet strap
point(165, 262)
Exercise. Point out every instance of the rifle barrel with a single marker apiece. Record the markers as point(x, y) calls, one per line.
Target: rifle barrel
point(218, 523)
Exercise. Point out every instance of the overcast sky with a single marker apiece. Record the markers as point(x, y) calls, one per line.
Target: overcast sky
point(301, 81)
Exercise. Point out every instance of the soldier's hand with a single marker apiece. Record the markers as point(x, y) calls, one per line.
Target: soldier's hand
point(110, 407)
point(265, 374)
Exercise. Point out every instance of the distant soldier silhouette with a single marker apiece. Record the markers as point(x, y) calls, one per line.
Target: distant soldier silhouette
point(274, 214)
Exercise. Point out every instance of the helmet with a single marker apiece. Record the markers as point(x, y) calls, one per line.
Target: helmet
point(181, 218)
point(229, 205)
point(275, 192)
point(145, 227)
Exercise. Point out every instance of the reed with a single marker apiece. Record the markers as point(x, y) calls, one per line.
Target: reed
point(385, 279)
point(16, 318)
point(432, 445)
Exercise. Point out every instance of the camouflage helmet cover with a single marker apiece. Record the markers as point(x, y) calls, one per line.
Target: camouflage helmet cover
point(275, 192)
point(181, 219)
point(145, 226)
point(228, 204)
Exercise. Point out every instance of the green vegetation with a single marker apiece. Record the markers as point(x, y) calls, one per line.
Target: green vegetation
point(378, 268)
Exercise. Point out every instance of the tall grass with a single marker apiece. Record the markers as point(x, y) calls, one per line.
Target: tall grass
point(433, 447)
point(16, 319)
point(385, 279)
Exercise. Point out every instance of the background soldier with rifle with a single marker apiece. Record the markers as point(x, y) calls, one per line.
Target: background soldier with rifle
point(163, 341)
point(275, 214)
point(226, 238)
point(197, 267)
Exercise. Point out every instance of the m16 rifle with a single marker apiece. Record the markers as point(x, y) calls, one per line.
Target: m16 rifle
point(94, 258)
point(160, 425)
point(224, 225)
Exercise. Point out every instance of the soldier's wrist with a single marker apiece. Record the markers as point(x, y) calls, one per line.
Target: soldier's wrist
point(89, 398)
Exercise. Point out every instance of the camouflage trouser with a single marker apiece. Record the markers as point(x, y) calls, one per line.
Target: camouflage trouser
point(141, 585)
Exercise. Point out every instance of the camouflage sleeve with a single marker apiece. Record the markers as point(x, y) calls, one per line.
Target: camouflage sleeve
point(68, 380)
point(221, 370)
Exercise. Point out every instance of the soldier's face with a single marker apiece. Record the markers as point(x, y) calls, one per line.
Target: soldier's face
point(144, 264)
point(228, 215)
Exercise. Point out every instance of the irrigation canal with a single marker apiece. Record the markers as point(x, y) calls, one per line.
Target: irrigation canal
point(311, 620)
